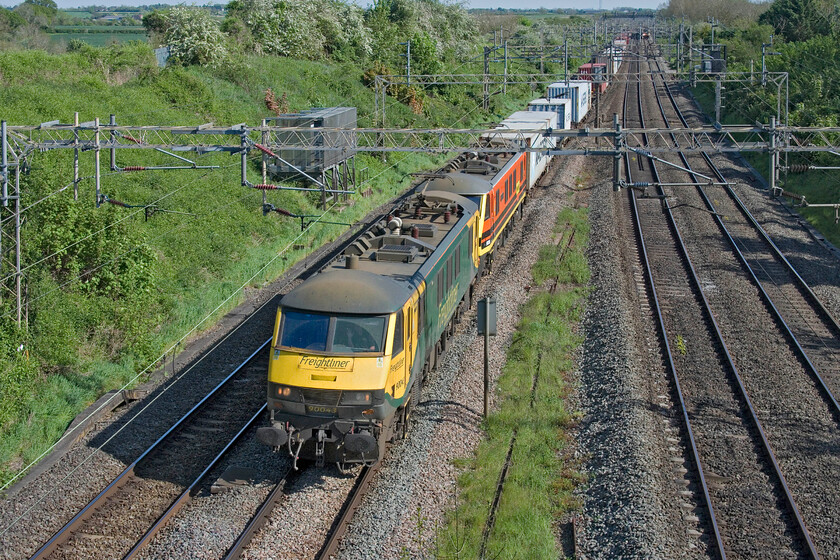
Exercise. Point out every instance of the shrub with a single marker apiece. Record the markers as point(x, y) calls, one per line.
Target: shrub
point(282, 27)
point(194, 37)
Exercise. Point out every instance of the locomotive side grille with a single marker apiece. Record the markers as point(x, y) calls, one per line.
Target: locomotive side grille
point(325, 397)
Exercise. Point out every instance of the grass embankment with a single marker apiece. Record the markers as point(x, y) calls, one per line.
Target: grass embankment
point(108, 292)
point(818, 186)
point(533, 408)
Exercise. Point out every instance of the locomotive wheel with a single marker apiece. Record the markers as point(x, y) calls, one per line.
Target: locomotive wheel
point(412, 404)
point(402, 423)
point(405, 413)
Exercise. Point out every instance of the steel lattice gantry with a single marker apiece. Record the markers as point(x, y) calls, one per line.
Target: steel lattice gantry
point(19, 143)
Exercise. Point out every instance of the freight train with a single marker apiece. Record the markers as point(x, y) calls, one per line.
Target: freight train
point(353, 343)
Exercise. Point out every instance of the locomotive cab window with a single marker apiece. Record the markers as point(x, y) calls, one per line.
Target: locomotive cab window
point(398, 333)
point(304, 330)
point(341, 334)
point(358, 334)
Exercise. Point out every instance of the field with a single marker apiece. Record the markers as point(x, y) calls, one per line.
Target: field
point(81, 14)
point(98, 35)
point(98, 39)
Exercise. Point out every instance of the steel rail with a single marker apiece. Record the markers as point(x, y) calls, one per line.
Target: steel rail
point(348, 510)
point(695, 452)
point(186, 494)
point(774, 250)
point(65, 532)
point(741, 386)
point(260, 517)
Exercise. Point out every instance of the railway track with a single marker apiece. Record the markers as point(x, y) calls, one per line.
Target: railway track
point(137, 504)
point(749, 508)
point(346, 513)
point(146, 495)
point(337, 529)
point(792, 382)
point(813, 328)
point(261, 516)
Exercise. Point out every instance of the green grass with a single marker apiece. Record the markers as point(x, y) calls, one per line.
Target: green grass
point(542, 476)
point(155, 280)
point(78, 14)
point(819, 187)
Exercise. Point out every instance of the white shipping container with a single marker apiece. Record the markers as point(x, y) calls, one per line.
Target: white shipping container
point(563, 108)
point(537, 121)
point(578, 91)
point(617, 55)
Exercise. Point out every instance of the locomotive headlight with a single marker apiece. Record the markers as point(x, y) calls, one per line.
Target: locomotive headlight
point(285, 392)
point(355, 397)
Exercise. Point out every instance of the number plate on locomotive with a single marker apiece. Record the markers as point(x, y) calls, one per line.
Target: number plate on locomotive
point(321, 410)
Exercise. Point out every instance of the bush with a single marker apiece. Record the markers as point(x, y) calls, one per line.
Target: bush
point(281, 27)
point(194, 37)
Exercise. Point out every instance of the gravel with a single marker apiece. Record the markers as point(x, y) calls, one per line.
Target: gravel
point(625, 432)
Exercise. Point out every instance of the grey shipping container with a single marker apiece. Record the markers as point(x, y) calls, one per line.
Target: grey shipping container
point(324, 149)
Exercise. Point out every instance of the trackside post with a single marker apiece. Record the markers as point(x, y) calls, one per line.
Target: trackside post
point(487, 327)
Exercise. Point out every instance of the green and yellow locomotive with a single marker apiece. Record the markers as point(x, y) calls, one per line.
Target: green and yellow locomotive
point(353, 342)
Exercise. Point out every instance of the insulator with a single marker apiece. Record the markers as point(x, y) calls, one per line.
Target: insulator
point(132, 138)
point(265, 150)
point(134, 168)
point(799, 168)
point(284, 212)
point(266, 187)
point(116, 202)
